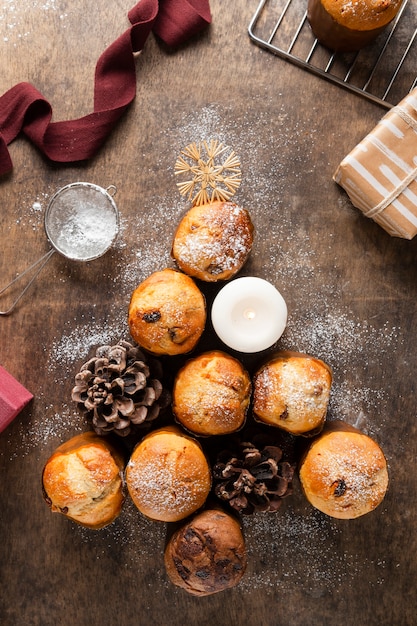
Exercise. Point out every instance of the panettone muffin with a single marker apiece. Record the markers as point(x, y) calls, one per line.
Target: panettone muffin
point(349, 25)
point(207, 555)
point(211, 394)
point(167, 313)
point(168, 475)
point(344, 472)
point(83, 480)
point(213, 241)
point(291, 391)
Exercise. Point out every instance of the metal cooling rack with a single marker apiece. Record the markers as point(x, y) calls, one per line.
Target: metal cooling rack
point(383, 72)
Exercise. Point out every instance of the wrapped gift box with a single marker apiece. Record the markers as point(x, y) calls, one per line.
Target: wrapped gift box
point(379, 175)
point(13, 398)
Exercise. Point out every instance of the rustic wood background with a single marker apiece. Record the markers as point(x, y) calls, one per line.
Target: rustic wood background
point(350, 290)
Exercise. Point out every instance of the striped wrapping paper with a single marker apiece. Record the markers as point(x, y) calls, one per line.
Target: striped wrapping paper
point(380, 174)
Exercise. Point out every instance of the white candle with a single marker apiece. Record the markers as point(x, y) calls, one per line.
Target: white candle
point(249, 314)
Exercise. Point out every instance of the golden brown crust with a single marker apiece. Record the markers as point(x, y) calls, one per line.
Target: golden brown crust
point(213, 241)
point(168, 476)
point(349, 25)
point(291, 391)
point(83, 480)
point(167, 313)
point(362, 14)
point(207, 555)
point(211, 394)
point(344, 472)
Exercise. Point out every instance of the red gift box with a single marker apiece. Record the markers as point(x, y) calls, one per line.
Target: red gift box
point(13, 398)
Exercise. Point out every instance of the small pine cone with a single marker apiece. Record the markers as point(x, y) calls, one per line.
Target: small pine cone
point(117, 391)
point(253, 477)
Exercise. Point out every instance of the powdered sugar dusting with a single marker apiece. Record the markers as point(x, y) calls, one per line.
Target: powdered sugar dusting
point(32, 213)
point(47, 433)
point(357, 405)
point(308, 551)
point(13, 16)
point(155, 252)
point(76, 345)
point(134, 536)
point(336, 333)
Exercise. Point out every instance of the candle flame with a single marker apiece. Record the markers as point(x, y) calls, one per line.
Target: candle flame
point(249, 314)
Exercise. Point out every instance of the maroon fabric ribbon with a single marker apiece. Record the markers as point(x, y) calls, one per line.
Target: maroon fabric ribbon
point(24, 109)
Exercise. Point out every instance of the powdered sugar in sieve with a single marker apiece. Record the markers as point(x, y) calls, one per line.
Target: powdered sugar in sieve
point(81, 223)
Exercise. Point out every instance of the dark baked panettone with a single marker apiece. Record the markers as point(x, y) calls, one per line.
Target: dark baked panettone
point(206, 555)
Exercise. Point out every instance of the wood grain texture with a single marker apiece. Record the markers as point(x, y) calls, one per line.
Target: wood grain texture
point(349, 287)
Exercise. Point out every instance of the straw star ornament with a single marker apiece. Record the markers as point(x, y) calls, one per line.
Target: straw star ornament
point(211, 171)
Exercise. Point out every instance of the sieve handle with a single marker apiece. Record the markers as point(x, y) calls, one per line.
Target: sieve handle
point(39, 265)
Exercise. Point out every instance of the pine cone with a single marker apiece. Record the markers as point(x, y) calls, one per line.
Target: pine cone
point(253, 477)
point(116, 389)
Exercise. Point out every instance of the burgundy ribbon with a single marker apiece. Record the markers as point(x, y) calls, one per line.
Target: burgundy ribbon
point(24, 109)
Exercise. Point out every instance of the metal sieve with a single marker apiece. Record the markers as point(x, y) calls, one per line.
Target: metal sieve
point(81, 222)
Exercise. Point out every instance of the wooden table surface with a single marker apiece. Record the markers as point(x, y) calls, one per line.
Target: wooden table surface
point(350, 290)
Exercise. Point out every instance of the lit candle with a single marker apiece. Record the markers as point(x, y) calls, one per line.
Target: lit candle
point(249, 314)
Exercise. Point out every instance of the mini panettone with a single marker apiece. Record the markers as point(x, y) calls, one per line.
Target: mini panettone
point(207, 555)
point(168, 475)
point(291, 391)
point(213, 241)
point(349, 25)
point(344, 472)
point(211, 394)
point(167, 313)
point(83, 480)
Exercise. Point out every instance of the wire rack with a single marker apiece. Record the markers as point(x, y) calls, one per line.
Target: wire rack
point(383, 72)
